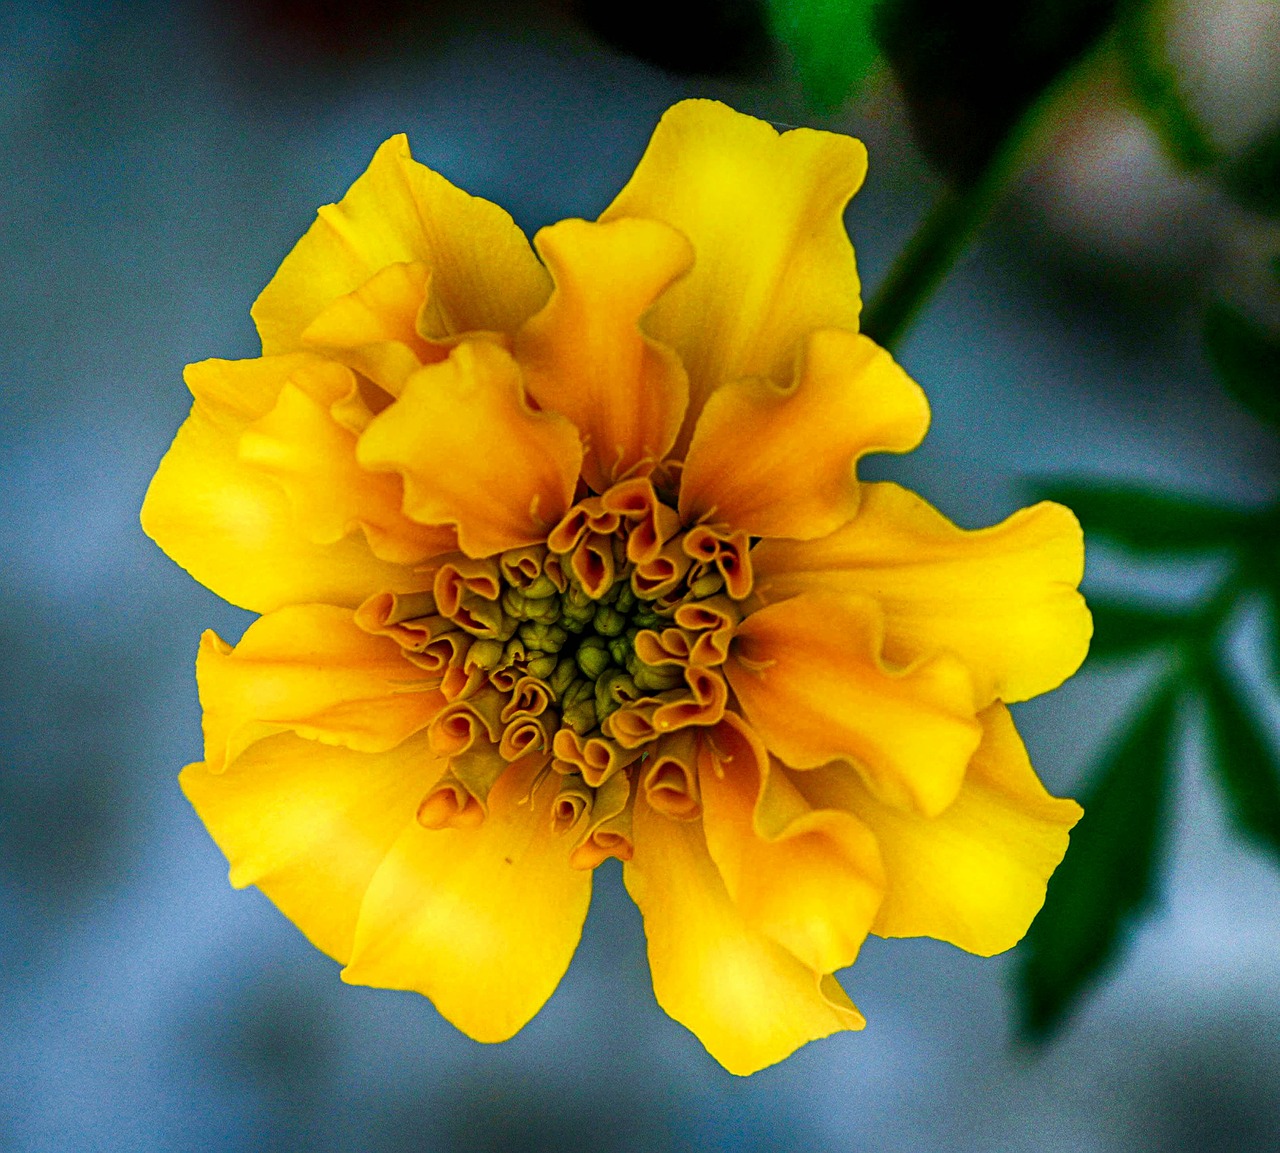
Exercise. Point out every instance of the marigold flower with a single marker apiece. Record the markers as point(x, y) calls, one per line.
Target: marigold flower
point(563, 557)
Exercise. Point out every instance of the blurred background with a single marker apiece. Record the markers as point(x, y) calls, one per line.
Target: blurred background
point(159, 159)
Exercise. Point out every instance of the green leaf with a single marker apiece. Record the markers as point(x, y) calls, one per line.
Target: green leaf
point(1247, 357)
point(1243, 760)
point(1154, 82)
point(1108, 875)
point(1150, 519)
point(1253, 179)
point(831, 43)
point(1121, 629)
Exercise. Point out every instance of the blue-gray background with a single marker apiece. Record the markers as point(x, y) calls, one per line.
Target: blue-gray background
point(158, 161)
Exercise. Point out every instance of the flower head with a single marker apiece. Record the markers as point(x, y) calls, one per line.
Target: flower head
point(562, 556)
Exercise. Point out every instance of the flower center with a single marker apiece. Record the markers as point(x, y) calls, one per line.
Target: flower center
point(596, 652)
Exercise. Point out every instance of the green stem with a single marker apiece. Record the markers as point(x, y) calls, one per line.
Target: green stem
point(956, 216)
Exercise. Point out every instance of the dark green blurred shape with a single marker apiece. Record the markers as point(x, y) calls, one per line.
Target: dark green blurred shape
point(1247, 357)
point(831, 44)
point(970, 71)
point(1150, 519)
point(691, 37)
point(1109, 875)
point(1154, 82)
point(1123, 629)
point(1243, 760)
point(1253, 179)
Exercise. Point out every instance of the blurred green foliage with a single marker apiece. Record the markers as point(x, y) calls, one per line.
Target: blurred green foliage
point(1111, 870)
point(831, 44)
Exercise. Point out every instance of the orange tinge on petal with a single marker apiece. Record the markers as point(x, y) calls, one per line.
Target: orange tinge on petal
point(585, 356)
point(772, 260)
point(812, 682)
point(474, 454)
point(780, 461)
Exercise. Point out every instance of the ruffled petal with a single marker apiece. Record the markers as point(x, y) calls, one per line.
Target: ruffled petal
point(744, 996)
point(309, 824)
point(485, 276)
point(312, 670)
point(780, 461)
point(374, 329)
point(483, 921)
point(765, 214)
point(809, 878)
point(584, 355)
point(974, 875)
point(473, 453)
point(229, 524)
point(809, 675)
point(1003, 598)
point(313, 458)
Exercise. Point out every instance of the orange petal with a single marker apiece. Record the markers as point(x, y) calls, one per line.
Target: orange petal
point(1003, 598)
point(474, 454)
point(765, 214)
point(483, 921)
point(231, 525)
point(309, 824)
point(485, 276)
point(809, 878)
point(310, 669)
point(780, 461)
point(974, 875)
point(809, 676)
point(584, 355)
point(744, 996)
point(313, 459)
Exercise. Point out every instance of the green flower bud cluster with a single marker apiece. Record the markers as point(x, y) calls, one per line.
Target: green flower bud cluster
point(582, 648)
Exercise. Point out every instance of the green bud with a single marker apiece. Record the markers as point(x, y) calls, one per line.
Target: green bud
point(543, 666)
point(656, 678)
point(706, 585)
point(541, 588)
point(545, 638)
point(513, 603)
point(565, 674)
point(579, 690)
point(608, 622)
point(581, 717)
point(593, 657)
point(613, 689)
point(621, 650)
point(626, 599)
point(485, 653)
point(543, 609)
point(575, 618)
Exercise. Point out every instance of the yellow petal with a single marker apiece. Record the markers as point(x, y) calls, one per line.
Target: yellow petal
point(232, 527)
point(1003, 598)
point(810, 679)
point(484, 274)
point(584, 355)
point(744, 996)
point(310, 669)
point(474, 454)
point(483, 921)
point(374, 329)
point(765, 214)
point(808, 878)
point(974, 875)
point(313, 459)
point(780, 461)
point(309, 824)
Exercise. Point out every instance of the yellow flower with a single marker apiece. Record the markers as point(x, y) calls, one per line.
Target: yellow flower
point(563, 556)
